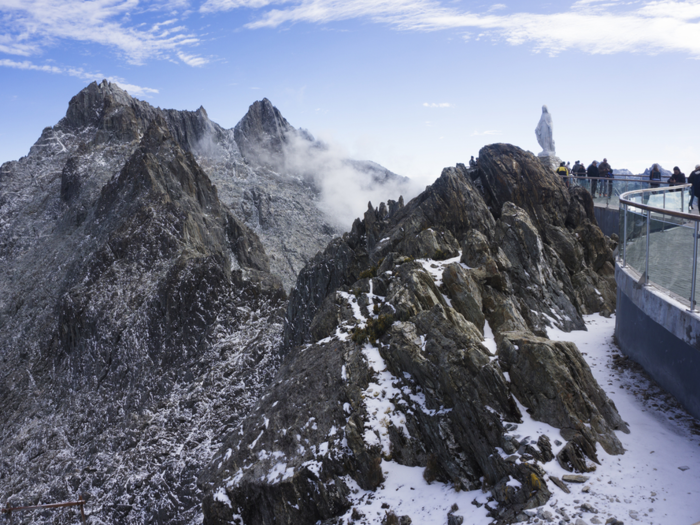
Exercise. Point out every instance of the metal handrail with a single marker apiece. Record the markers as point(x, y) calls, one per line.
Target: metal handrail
point(614, 178)
point(609, 188)
point(687, 216)
point(626, 203)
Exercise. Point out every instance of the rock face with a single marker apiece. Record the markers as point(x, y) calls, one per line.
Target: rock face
point(124, 325)
point(263, 133)
point(385, 357)
point(152, 364)
point(247, 164)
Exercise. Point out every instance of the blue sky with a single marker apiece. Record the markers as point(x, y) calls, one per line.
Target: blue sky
point(415, 85)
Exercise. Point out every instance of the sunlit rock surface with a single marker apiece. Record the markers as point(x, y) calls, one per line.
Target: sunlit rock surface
point(385, 357)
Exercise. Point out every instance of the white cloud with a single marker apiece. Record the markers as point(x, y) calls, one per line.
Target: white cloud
point(192, 60)
point(132, 89)
point(593, 26)
point(437, 104)
point(211, 6)
point(344, 188)
point(29, 26)
point(488, 132)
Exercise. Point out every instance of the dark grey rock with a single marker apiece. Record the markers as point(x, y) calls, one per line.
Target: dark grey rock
point(139, 337)
point(453, 519)
point(464, 294)
point(539, 369)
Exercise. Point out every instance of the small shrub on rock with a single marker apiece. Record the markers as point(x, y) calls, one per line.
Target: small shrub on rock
point(441, 255)
point(374, 330)
point(369, 273)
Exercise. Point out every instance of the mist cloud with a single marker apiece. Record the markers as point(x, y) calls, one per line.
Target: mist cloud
point(345, 186)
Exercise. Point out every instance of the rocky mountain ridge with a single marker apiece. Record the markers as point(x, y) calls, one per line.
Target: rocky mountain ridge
point(256, 181)
point(153, 364)
point(385, 365)
point(143, 267)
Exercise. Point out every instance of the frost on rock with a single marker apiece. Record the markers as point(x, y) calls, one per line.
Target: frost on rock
point(406, 371)
point(129, 344)
point(153, 365)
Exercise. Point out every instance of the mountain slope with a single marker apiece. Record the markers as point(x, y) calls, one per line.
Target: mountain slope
point(139, 320)
point(415, 342)
point(143, 262)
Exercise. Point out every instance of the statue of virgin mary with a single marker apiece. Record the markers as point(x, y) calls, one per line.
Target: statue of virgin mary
point(544, 134)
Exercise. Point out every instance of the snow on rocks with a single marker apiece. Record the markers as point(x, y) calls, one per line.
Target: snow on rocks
point(645, 480)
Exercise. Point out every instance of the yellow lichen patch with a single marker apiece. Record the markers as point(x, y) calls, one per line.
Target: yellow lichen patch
point(535, 481)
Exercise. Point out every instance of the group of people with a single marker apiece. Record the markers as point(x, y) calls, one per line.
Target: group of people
point(676, 179)
point(602, 170)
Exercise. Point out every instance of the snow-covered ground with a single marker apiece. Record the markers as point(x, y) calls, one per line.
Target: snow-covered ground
point(656, 481)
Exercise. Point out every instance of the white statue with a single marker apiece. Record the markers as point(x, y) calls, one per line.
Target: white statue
point(544, 134)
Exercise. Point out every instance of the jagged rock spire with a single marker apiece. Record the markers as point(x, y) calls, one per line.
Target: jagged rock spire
point(263, 133)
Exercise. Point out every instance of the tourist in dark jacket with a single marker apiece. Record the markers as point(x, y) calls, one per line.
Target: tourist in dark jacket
point(606, 171)
point(694, 179)
point(593, 172)
point(655, 175)
point(579, 170)
point(677, 178)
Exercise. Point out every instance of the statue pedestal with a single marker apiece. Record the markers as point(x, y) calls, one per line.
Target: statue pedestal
point(550, 161)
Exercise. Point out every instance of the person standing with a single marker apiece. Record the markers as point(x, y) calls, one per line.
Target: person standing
point(606, 171)
point(655, 175)
point(593, 172)
point(563, 172)
point(677, 177)
point(472, 163)
point(694, 180)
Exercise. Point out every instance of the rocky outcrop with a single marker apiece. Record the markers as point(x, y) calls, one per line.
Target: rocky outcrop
point(386, 360)
point(544, 375)
point(142, 322)
point(562, 216)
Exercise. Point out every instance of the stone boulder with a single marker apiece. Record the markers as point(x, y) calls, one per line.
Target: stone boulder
point(556, 385)
point(509, 174)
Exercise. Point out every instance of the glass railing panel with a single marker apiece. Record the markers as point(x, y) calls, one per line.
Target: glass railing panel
point(671, 254)
point(636, 238)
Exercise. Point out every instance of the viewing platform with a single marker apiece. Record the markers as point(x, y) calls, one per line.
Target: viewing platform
point(657, 321)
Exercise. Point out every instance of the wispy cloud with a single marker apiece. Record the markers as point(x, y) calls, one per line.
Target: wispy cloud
point(593, 26)
point(211, 6)
point(192, 60)
point(29, 26)
point(437, 104)
point(134, 90)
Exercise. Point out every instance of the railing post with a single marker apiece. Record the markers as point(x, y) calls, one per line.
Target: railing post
point(682, 199)
point(624, 240)
point(695, 267)
point(646, 269)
